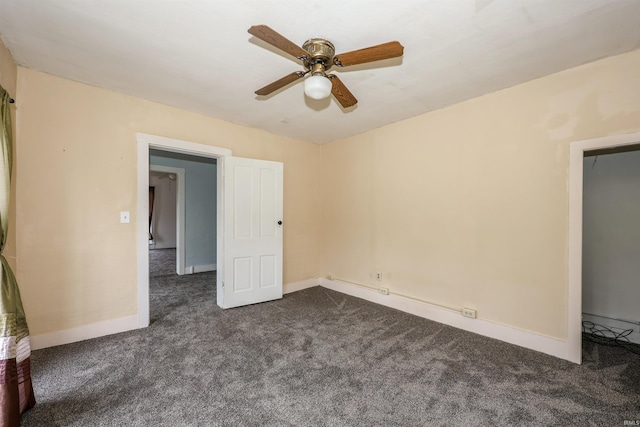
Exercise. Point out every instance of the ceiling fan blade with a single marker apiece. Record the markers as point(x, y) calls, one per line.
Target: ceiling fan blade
point(340, 91)
point(369, 54)
point(268, 35)
point(272, 87)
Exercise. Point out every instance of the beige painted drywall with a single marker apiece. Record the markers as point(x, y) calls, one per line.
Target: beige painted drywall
point(8, 78)
point(468, 205)
point(465, 206)
point(77, 151)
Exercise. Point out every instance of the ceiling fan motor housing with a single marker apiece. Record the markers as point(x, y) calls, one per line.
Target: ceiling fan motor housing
point(321, 53)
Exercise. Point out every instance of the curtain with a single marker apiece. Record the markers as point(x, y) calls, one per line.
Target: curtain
point(152, 194)
point(16, 390)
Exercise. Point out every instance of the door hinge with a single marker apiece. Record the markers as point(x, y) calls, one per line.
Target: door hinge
point(223, 284)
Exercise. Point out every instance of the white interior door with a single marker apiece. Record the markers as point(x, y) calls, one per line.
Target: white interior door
point(252, 254)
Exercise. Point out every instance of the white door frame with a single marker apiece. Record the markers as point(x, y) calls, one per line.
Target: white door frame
point(180, 212)
point(576, 156)
point(145, 143)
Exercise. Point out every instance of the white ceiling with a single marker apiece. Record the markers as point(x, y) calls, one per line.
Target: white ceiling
point(197, 54)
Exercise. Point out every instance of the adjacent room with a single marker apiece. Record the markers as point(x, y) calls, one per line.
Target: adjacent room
point(301, 214)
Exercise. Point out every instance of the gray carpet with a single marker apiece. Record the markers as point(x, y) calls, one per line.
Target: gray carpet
point(317, 358)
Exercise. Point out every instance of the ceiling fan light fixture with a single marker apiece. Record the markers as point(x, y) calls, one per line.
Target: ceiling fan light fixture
point(317, 87)
point(318, 55)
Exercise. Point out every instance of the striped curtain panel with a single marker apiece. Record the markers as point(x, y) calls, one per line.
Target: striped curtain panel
point(16, 390)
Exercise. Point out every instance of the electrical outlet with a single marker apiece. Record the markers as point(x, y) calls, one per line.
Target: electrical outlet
point(469, 312)
point(378, 276)
point(384, 291)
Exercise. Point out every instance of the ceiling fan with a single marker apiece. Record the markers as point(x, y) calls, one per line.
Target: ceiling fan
point(318, 56)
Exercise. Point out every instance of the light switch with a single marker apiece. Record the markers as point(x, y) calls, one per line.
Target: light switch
point(124, 217)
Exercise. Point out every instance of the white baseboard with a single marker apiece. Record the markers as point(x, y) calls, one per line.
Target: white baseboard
point(123, 324)
point(153, 246)
point(192, 269)
point(530, 340)
point(86, 332)
point(298, 286)
point(508, 334)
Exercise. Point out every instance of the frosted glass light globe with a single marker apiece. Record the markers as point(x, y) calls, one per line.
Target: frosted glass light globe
point(317, 87)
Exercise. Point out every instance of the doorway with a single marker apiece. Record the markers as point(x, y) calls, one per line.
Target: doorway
point(249, 220)
point(196, 208)
point(167, 224)
point(611, 245)
point(147, 143)
point(577, 151)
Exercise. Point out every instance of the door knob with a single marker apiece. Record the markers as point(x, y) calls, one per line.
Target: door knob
point(279, 222)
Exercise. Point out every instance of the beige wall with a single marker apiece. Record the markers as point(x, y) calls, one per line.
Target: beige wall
point(465, 206)
point(468, 205)
point(77, 150)
point(8, 76)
